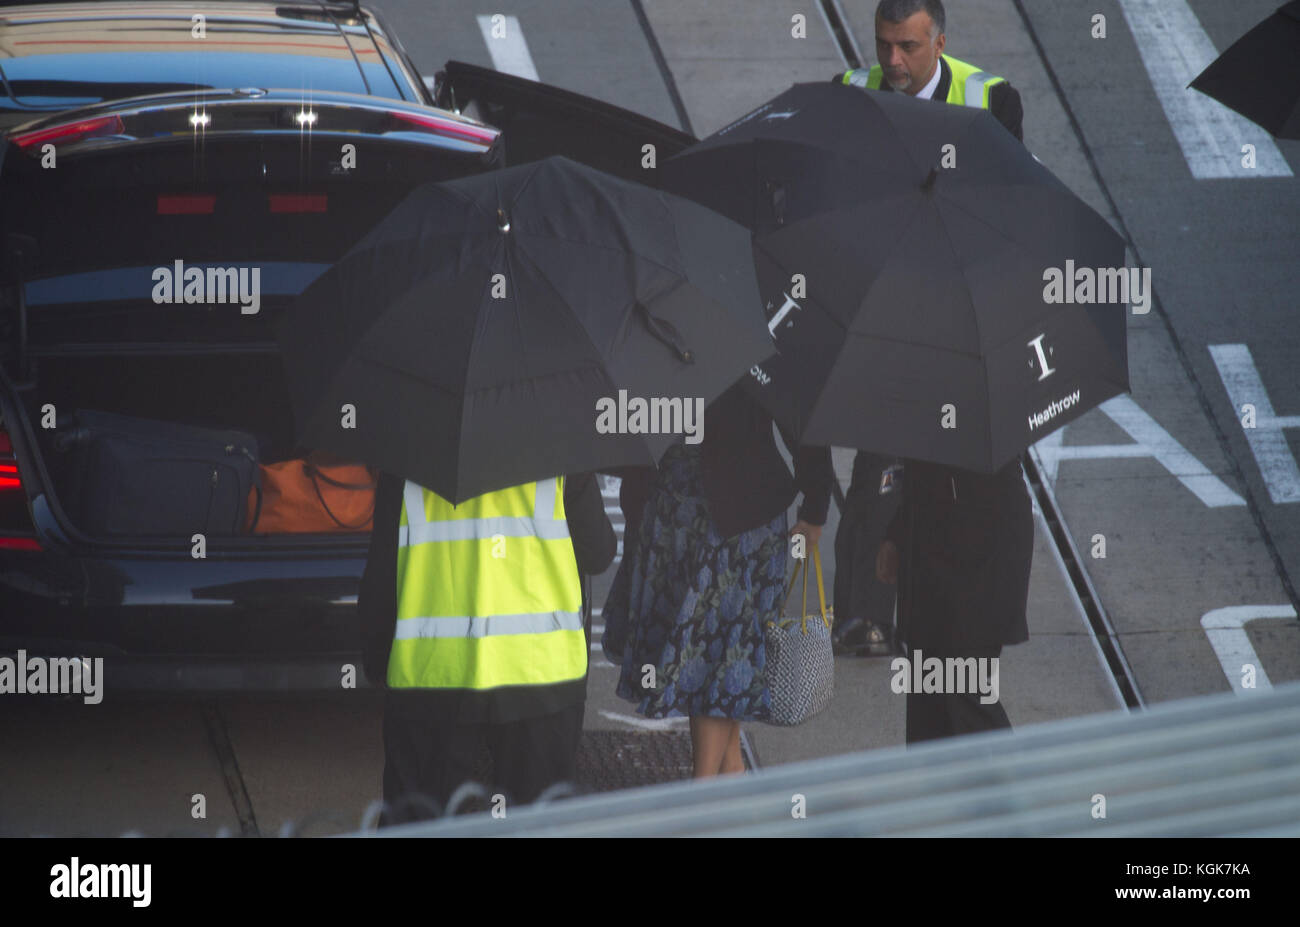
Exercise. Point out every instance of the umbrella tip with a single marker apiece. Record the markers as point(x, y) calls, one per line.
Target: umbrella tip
point(503, 223)
point(928, 185)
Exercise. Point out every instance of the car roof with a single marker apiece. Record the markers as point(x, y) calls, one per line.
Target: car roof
point(62, 55)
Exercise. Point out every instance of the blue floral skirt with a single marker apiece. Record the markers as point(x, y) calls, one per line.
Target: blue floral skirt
point(686, 612)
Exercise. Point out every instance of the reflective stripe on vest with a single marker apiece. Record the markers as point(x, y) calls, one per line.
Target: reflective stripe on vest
point(975, 85)
point(861, 76)
point(488, 592)
point(968, 87)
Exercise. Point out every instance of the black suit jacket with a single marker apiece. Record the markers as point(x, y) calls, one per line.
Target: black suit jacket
point(746, 481)
point(967, 543)
point(594, 545)
point(1004, 100)
point(966, 539)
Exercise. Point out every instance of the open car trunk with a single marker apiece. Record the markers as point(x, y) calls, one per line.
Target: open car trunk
point(90, 326)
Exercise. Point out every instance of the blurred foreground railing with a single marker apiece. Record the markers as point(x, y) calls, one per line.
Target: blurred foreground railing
point(1214, 765)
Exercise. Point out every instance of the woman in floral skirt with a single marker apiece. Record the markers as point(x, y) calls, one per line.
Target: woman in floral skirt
point(703, 571)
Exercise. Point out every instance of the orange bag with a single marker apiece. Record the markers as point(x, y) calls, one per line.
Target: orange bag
point(299, 496)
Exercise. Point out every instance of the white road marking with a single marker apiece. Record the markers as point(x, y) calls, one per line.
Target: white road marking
point(1152, 441)
point(509, 51)
point(1175, 49)
point(646, 724)
point(1267, 442)
point(1226, 629)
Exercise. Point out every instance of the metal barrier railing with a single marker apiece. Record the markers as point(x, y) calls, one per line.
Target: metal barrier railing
point(1214, 765)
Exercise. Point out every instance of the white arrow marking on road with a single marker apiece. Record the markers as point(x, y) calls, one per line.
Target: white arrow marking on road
point(1226, 629)
point(1267, 442)
point(1175, 49)
point(509, 52)
point(1152, 441)
point(645, 724)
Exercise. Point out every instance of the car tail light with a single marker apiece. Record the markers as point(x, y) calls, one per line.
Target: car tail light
point(70, 132)
point(447, 128)
point(16, 529)
point(201, 204)
point(298, 202)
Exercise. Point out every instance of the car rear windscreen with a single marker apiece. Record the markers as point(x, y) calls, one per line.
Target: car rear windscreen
point(164, 244)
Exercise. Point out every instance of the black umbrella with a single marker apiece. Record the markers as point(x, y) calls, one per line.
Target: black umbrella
point(1259, 74)
point(491, 329)
point(901, 247)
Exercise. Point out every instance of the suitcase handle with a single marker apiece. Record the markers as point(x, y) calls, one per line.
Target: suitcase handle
point(257, 510)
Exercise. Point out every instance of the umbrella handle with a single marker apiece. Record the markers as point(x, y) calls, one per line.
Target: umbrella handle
point(666, 332)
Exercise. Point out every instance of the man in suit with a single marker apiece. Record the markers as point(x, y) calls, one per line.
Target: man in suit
point(961, 543)
point(910, 44)
point(960, 550)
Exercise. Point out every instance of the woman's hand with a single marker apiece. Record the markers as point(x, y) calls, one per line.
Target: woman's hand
point(812, 533)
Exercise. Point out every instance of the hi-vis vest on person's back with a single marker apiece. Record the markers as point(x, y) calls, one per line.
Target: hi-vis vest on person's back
point(488, 592)
point(969, 87)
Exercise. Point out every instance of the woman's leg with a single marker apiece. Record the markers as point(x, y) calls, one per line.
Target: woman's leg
point(733, 762)
point(709, 740)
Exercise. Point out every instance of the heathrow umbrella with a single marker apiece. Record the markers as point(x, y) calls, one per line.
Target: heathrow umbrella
point(516, 325)
point(1259, 74)
point(904, 249)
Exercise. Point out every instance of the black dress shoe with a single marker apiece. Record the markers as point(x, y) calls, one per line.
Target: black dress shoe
point(879, 642)
point(849, 637)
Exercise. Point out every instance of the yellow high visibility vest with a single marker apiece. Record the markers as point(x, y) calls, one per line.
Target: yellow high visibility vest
point(969, 87)
point(488, 592)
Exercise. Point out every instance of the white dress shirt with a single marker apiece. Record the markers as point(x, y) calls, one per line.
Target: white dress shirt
point(928, 90)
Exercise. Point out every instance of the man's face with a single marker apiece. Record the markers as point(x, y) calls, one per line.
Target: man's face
point(906, 52)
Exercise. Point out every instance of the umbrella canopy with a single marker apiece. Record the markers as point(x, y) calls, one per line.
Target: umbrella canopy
point(904, 249)
point(1259, 74)
point(520, 324)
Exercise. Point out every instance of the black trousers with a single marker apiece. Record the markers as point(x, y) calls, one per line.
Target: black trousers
point(856, 592)
point(426, 760)
point(931, 715)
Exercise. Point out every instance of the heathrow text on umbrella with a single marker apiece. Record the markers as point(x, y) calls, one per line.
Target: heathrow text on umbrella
point(1038, 419)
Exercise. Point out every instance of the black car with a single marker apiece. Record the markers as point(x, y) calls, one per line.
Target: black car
point(275, 142)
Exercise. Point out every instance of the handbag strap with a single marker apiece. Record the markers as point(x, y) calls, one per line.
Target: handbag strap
point(313, 473)
point(821, 590)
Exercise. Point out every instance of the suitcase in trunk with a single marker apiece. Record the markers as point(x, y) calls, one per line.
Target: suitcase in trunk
point(144, 477)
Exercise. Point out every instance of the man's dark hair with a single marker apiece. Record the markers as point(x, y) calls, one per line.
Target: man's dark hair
point(895, 11)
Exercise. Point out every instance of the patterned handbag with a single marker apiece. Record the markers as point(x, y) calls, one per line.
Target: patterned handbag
point(800, 664)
